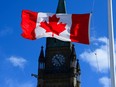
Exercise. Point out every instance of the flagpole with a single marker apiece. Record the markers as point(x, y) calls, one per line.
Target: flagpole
point(111, 43)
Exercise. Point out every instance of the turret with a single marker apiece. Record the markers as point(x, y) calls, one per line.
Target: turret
point(73, 58)
point(41, 62)
point(78, 73)
point(78, 68)
point(41, 59)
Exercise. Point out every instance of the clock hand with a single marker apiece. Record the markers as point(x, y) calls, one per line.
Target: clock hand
point(58, 61)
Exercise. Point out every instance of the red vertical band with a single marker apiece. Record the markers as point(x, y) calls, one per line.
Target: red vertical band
point(79, 29)
point(28, 24)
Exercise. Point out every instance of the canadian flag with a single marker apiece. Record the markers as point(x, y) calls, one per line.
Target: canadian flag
point(65, 27)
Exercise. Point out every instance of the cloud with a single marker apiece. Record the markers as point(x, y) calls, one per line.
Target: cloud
point(105, 81)
point(98, 59)
point(17, 61)
point(14, 83)
point(6, 31)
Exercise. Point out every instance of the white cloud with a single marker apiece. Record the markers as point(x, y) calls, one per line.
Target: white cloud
point(17, 61)
point(14, 83)
point(103, 39)
point(99, 58)
point(105, 81)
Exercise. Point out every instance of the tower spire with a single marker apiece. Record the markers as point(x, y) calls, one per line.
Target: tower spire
point(61, 7)
point(41, 59)
point(78, 68)
point(73, 50)
point(41, 56)
point(73, 54)
point(78, 73)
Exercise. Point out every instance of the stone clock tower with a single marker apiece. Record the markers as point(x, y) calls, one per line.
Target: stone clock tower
point(58, 66)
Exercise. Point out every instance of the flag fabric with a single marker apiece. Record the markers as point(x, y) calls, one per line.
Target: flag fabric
point(65, 27)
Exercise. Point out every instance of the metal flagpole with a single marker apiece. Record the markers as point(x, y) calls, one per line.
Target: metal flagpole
point(111, 43)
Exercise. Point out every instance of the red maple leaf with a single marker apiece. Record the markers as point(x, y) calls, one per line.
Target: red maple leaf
point(53, 25)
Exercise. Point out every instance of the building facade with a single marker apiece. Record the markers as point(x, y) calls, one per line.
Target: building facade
point(59, 67)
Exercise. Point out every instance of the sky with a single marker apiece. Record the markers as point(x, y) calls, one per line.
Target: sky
point(19, 56)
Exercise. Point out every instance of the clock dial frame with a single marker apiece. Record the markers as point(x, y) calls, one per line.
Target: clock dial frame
point(58, 60)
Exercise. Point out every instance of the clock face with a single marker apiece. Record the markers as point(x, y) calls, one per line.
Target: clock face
point(58, 60)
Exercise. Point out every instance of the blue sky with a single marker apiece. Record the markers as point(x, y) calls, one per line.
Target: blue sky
point(19, 56)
